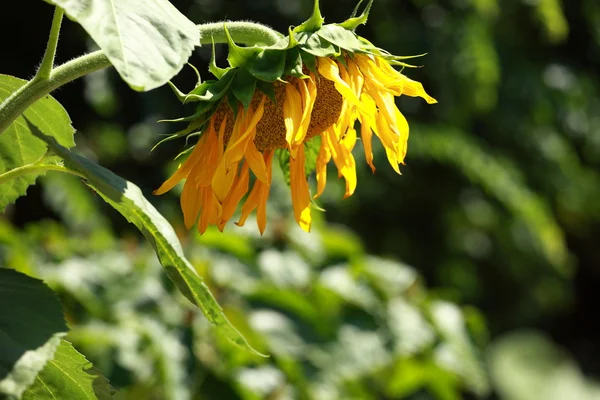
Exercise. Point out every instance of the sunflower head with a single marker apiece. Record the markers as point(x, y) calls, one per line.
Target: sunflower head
point(300, 97)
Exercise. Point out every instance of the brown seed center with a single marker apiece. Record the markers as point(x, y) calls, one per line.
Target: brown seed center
point(270, 130)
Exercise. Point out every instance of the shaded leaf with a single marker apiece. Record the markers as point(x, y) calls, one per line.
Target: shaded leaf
point(20, 148)
point(148, 41)
point(128, 200)
point(268, 65)
point(69, 376)
point(31, 323)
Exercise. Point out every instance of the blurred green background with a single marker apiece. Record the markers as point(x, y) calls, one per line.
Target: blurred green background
point(473, 275)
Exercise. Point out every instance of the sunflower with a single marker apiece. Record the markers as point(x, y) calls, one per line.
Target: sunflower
point(300, 97)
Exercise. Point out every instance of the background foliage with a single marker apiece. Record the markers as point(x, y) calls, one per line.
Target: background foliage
point(496, 211)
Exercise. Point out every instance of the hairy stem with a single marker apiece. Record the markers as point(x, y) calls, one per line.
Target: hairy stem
point(242, 32)
point(48, 61)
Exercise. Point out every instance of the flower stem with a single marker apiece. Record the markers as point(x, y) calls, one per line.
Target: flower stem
point(242, 32)
point(49, 79)
point(48, 61)
point(35, 89)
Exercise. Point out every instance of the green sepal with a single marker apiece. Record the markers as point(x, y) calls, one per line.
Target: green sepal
point(212, 66)
point(292, 39)
point(293, 64)
point(268, 89)
point(314, 22)
point(180, 95)
point(309, 60)
point(238, 56)
point(243, 86)
point(341, 37)
point(199, 81)
point(190, 129)
point(353, 22)
point(216, 90)
point(234, 105)
point(314, 44)
point(202, 108)
point(268, 65)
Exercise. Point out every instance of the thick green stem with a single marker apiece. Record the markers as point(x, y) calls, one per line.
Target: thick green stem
point(242, 32)
point(48, 61)
point(33, 90)
point(26, 95)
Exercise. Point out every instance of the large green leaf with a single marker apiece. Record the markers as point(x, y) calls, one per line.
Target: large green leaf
point(148, 41)
point(31, 324)
point(69, 376)
point(19, 148)
point(128, 200)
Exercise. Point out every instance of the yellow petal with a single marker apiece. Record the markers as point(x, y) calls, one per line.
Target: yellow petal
point(240, 188)
point(321, 169)
point(367, 134)
point(223, 179)
point(256, 162)
point(292, 114)
point(184, 168)
point(415, 89)
point(191, 202)
point(344, 161)
point(246, 130)
point(330, 70)
point(300, 192)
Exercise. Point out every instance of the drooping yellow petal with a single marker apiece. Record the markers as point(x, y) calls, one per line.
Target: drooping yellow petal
point(258, 197)
point(261, 212)
point(184, 170)
point(246, 131)
point(415, 89)
point(321, 169)
point(191, 202)
point(292, 115)
point(240, 188)
point(343, 159)
point(366, 135)
point(222, 180)
point(376, 76)
point(329, 69)
point(256, 162)
point(300, 192)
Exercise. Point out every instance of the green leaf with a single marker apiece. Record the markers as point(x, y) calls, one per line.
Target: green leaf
point(268, 65)
point(127, 199)
point(148, 41)
point(31, 324)
point(69, 375)
point(243, 86)
point(314, 44)
point(293, 64)
point(340, 37)
point(310, 61)
point(268, 89)
point(284, 163)
point(20, 148)
point(311, 151)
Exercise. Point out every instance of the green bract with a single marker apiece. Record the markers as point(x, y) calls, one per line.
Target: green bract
point(257, 67)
